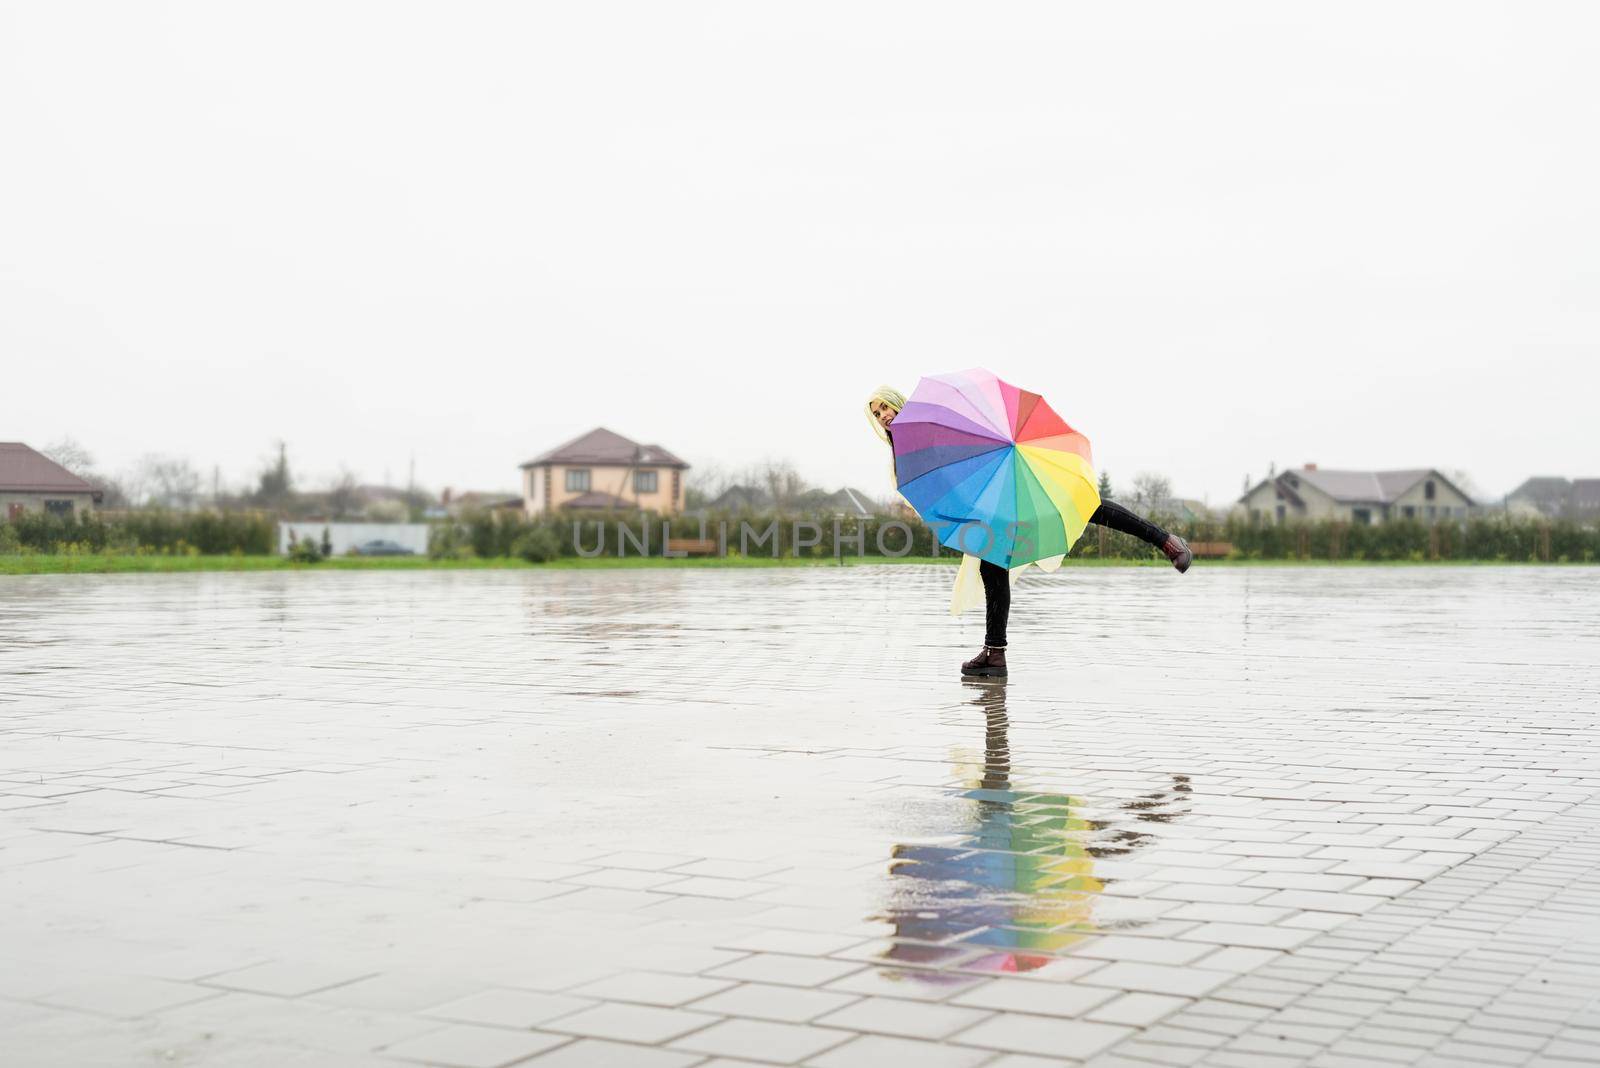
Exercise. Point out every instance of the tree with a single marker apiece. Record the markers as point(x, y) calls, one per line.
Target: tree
point(1151, 490)
point(1105, 486)
point(781, 481)
point(1465, 484)
point(344, 498)
point(277, 484)
point(165, 482)
point(75, 458)
point(705, 484)
point(69, 454)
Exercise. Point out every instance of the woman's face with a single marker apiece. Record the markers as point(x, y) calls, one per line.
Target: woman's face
point(881, 412)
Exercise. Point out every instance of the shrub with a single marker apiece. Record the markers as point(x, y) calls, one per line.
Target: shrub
point(305, 551)
point(537, 546)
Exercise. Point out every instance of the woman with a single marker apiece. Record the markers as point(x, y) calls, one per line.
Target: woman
point(882, 407)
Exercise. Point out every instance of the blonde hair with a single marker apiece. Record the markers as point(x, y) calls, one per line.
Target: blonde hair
point(884, 395)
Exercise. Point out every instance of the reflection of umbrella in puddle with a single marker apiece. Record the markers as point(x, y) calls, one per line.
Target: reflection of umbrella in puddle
point(1019, 888)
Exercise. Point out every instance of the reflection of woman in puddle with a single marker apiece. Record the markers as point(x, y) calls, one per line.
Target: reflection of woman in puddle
point(1021, 883)
point(882, 407)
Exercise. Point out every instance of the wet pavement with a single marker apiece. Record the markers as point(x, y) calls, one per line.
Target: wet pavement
point(1243, 817)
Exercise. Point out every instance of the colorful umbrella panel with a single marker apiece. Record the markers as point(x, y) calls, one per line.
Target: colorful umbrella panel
point(993, 469)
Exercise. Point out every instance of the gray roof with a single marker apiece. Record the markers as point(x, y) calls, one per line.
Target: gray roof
point(1542, 486)
point(1377, 486)
point(25, 470)
point(1585, 494)
point(1366, 487)
point(741, 497)
point(606, 448)
point(1355, 487)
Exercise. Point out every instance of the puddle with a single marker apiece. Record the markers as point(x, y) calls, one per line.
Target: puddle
point(1018, 887)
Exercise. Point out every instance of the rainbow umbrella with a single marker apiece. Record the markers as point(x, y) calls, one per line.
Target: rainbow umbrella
point(993, 469)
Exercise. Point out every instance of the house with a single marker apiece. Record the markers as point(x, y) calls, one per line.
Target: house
point(1584, 504)
point(740, 498)
point(845, 502)
point(454, 504)
point(603, 469)
point(842, 502)
point(31, 481)
point(1312, 493)
point(1556, 498)
point(1545, 497)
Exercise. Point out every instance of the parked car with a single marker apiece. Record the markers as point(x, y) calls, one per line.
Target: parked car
point(381, 547)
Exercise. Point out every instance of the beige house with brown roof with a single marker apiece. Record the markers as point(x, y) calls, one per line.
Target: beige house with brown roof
point(30, 482)
point(1312, 493)
point(603, 470)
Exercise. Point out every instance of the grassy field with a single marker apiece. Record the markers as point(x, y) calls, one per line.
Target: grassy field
point(116, 563)
point(89, 563)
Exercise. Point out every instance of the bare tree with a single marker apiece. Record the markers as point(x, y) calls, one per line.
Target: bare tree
point(1464, 482)
point(77, 459)
point(781, 481)
point(1151, 490)
point(71, 455)
point(166, 482)
point(344, 498)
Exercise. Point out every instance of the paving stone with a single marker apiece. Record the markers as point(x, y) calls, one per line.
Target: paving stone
point(651, 988)
point(129, 996)
point(596, 1053)
point(786, 1004)
point(1045, 999)
point(631, 1023)
point(287, 978)
point(894, 1016)
point(464, 1046)
point(1147, 950)
point(1158, 979)
point(505, 1007)
point(777, 968)
point(876, 1051)
point(763, 1040)
point(1137, 1010)
point(1043, 1035)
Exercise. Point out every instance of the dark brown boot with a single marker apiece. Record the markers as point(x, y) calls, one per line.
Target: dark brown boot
point(1177, 551)
point(989, 664)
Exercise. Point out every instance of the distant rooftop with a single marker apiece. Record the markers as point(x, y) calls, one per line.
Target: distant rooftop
point(606, 447)
point(25, 470)
point(1363, 487)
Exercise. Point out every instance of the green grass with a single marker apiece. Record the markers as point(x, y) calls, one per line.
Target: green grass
point(114, 563)
point(105, 563)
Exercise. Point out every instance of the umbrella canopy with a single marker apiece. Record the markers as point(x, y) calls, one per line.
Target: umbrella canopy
point(993, 469)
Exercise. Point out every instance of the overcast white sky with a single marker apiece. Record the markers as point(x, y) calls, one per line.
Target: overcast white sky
point(1214, 235)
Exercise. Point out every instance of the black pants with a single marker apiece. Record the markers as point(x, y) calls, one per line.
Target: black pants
point(997, 580)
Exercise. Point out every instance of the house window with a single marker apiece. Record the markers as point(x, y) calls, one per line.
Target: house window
point(1409, 511)
point(1428, 490)
point(1282, 513)
point(1362, 516)
point(578, 480)
point(1432, 511)
point(644, 482)
point(61, 508)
